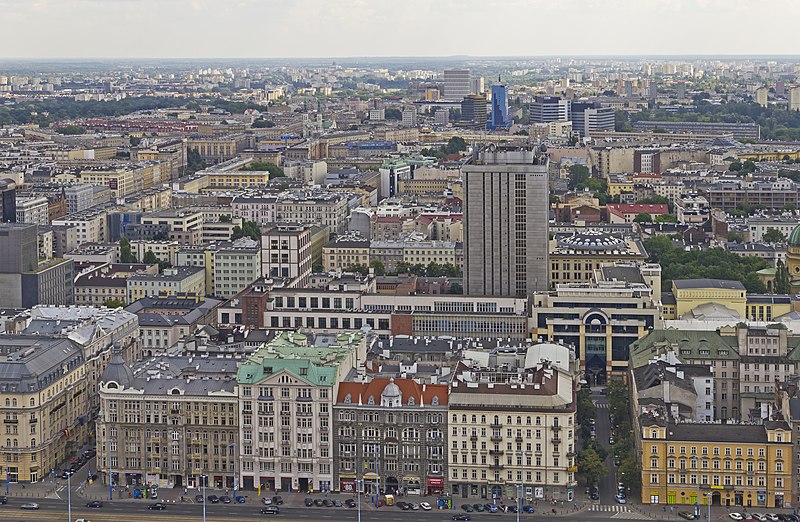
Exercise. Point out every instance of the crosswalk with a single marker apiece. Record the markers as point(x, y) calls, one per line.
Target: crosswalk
point(620, 511)
point(601, 405)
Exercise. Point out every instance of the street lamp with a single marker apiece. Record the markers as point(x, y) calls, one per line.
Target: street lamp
point(110, 474)
point(203, 480)
point(232, 447)
point(358, 494)
point(519, 503)
point(69, 497)
point(8, 476)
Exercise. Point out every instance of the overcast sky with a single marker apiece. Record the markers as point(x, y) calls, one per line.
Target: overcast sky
point(341, 28)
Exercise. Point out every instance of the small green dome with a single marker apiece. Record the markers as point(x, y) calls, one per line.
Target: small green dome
point(794, 237)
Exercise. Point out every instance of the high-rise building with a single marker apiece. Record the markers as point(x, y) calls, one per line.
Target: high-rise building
point(549, 108)
point(499, 119)
point(590, 117)
point(473, 109)
point(761, 96)
point(457, 84)
point(478, 86)
point(8, 201)
point(506, 209)
point(794, 99)
point(409, 118)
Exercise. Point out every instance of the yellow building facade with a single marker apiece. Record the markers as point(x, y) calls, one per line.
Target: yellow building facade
point(727, 464)
point(691, 293)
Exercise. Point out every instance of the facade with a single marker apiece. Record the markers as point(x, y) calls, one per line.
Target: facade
point(499, 119)
point(344, 253)
point(391, 433)
point(107, 282)
point(574, 258)
point(167, 421)
point(723, 464)
point(287, 390)
point(588, 118)
point(512, 427)
point(33, 210)
point(286, 252)
point(601, 318)
point(506, 220)
point(549, 108)
point(737, 130)
point(474, 110)
point(182, 280)
point(457, 84)
point(314, 207)
point(45, 403)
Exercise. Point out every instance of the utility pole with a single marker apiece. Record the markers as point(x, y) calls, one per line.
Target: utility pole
point(204, 479)
point(110, 473)
point(69, 497)
point(358, 494)
point(233, 454)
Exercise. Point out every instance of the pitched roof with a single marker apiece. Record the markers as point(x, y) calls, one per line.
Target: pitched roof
point(638, 208)
point(423, 394)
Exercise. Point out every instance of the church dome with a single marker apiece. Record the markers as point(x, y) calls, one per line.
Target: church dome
point(794, 237)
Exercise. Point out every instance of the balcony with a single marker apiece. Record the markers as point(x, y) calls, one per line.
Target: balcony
point(556, 428)
point(518, 438)
point(473, 438)
point(496, 438)
point(10, 421)
point(495, 425)
point(305, 413)
point(496, 466)
point(556, 440)
point(495, 452)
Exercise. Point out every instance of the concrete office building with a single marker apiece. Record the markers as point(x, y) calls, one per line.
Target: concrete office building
point(79, 197)
point(506, 210)
point(8, 201)
point(549, 108)
point(473, 110)
point(794, 99)
point(286, 252)
point(590, 117)
point(33, 210)
point(499, 118)
point(457, 84)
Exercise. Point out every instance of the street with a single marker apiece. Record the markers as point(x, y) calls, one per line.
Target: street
point(608, 484)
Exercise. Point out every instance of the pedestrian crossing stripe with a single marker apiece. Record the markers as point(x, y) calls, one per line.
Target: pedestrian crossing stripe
point(602, 405)
point(615, 508)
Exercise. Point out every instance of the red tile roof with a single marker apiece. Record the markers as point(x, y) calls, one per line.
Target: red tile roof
point(638, 208)
point(423, 394)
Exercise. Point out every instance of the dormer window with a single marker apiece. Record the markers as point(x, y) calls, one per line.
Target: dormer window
point(348, 399)
point(411, 401)
point(435, 401)
point(371, 400)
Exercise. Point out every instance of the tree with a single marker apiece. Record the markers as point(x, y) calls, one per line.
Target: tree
point(377, 266)
point(135, 141)
point(666, 218)
point(782, 283)
point(455, 145)
point(773, 235)
point(125, 253)
point(224, 218)
point(393, 114)
point(317, 266)
point(735, 237)
point(194, 162)
point(643, 217)
point(149, 258)
point(248, 229)
point(71, 130)
point(260, 166)
point(261, 123)
point(456, 288)
point(590, 466)
point(113, 303)
point(577, 175)
point(359, 269)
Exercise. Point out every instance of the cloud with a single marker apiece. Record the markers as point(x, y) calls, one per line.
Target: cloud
point(335, 28)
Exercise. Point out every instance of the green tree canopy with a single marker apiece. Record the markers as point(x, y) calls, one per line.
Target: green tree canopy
point(377, 266)
point(591, 466)
point(149, 258)
point(578, 174)
point(643, 217)
point(71, 130)
point(113, 303)
point(248, 229)
point(782, 282)
point(773, 235)
point(666, 218)
point(125, 253)
point(393, 114)
point(261, 166)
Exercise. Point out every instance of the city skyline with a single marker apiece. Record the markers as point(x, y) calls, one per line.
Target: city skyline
point(86, 29)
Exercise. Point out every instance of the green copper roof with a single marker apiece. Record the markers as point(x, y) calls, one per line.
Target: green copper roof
point(794, 237)
point(290, 352)
point(689, 344)
point(767, 272)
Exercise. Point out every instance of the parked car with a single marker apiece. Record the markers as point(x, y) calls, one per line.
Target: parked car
point(270, 510)
point(595, 495)
point(467, 508)
point(405, 506)
point(772, 517)
point(620, 498)
point(350, 503)
point(277, 500)
point(688, 515)
point(425, 506)
point(491, 508)
point(267, 501)
point(736, 516)
point(308, 502)
point(158, 506)
point(318, 502)
point(462, 516)
point(528, 509)
point(29, 505)
point(3, 499)
point(415, 506)
point(94, 504)
point(213, 499)
point(327, 502)
point(199, 499)
point(760, 517)
point(225, 499)
point(337, 503)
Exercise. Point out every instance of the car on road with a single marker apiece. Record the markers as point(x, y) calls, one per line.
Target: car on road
point(277, 500)
point(760, 517)
point(467, 508)
point(29, 505)
point(620, 498)
point(94, 504)
point(3, 499)
point(595, 495)
point(308, 502)
point(462, 516)
point(225, 499)
point(270, 510)
point(528, 509)
point(350, 503)
point(688, 515)
point(491, 508)
point(736, 516)
point(158, 506)
point(425, 506)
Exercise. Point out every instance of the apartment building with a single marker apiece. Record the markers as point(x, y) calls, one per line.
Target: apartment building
point(286, 252)
point(314, 207)
point(164, 320)
point(99, 284)
point(511, 425)
point(33, 210)
point(260, 208)
point(91, 225)
point(574, 258)
point(390, 433)
point(182, 280)
point(167, 421)
point(287, 390)
point(745, 465)
point(45, 404)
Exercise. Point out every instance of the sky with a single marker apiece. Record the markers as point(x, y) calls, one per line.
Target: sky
point(45, 29)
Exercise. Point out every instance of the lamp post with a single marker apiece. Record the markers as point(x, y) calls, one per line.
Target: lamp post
point(232, 447)
point(110, 472)
point(709, 505)
point(203, 480)
point(69, 497)
point(8, 476)
point(519, 503)
point(358, 495)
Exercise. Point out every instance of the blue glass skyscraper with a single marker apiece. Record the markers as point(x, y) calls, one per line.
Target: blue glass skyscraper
point(499, 118)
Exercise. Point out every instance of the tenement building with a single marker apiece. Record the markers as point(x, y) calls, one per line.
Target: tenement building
point(512, 423)
point(168, 421)
point(391, 434)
